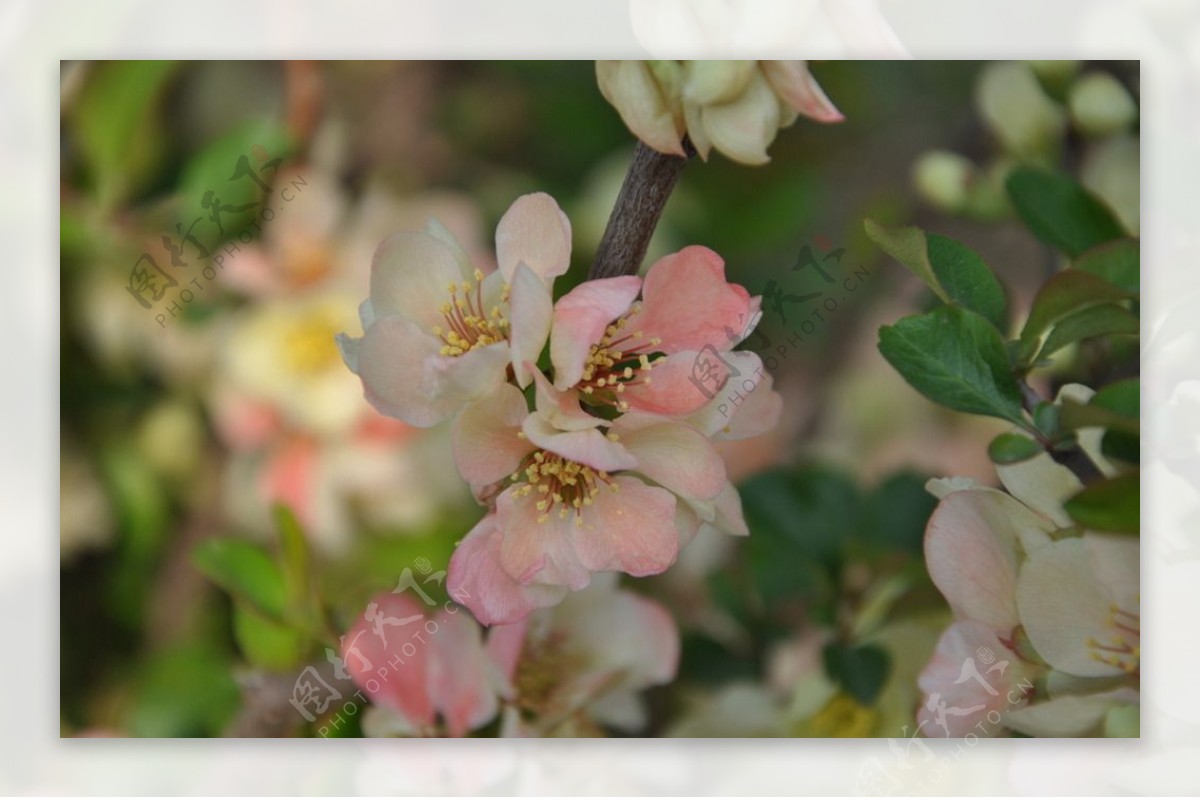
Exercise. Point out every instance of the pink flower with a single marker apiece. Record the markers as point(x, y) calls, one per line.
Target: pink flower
point(438, 333)
point(612, 350)
point(423, 667)
point(580, 664)
point(575, 494)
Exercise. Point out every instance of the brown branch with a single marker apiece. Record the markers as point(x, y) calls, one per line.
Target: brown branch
point(648, 184)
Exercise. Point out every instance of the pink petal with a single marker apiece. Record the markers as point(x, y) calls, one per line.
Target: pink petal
point(504, 645)
point(486, 440)
point(962, 643)
point(793, 82)
point(971, 553)
point(561, 408)
point(744, 406)
point(631, 529)
point(386, 658)
point(588, 446)
point(673, 388)
point(536, 232)
point(623, 640)
point(461, 675)
point(410, 275)
point(531, 308)
point(533, 551)
point(580, 318)
point(675, 456)
point(391, 358)
point(476, 579)
point(687, 303)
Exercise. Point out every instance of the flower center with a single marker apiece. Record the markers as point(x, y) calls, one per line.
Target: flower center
point(562, 485)
point(468, 325)
point(1123, 649)
point(619, 360)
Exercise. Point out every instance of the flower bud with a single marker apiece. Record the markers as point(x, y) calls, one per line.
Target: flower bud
point(942, 178)
point(1017, 110)
point(1100, 105)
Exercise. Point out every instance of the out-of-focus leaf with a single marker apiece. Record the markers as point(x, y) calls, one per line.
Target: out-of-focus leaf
point(1061, 212)
point(266, 643)
point(1113, 505)
point(186, 691)
point(1011, 447)
point(956, 358)
point(897, 512)
point(1064, 295)
point(1124, 399)
point(861, 670)
point(118, 127)
point(1119, 262)
point(246, 572)
point(297, 565)
point(234, 173)
point(1076, 415)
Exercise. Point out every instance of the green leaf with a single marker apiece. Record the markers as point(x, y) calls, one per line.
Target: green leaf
point(952, 271)
point(860, 670)
point(897, 512)
point(1076, 415)
point(1061, 212)
point(1063, 295)
point(956, 358)
point(967, 280)
point(246, 572)
point(1123, 397)
point(215, 169)
point(186, 690)
point(1011, 447)
point(907, 245)
point(1119, 262)
point(266, 643)
point(1090, 323)
point(118, 127)
point(1113, 505)
point(297, 565)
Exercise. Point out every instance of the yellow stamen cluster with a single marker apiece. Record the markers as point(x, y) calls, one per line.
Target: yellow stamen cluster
point(561, 485)
point(468, 325)
point(1121, 650)
point(619, 360)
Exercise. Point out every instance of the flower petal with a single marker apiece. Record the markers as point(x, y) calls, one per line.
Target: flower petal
point(535, 551)
point(672, 388)
point(1042, 484)
point(742, 129)
point(587, 446)
point(675, 456)
point(391, 622)
point(955, 706)
point(486, 443)
point(630, 87)
point(688, 304)
point(410, 276)
point(971, 551)
point(476, 579)
point(561, 408)
point(631, 529)
point(391, 359)
point(708, 81)
point(580, 319)
point(744, 406)
point(1069, 609)
point(462, 678)
point(536, 232)
point(796, 85)
point(531, 309)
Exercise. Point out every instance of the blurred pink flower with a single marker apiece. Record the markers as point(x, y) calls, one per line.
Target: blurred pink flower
point(438, 333)
point(560, 671)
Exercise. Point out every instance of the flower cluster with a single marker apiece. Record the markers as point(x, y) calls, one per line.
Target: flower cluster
point(612, 468)
point(733, 106)
point(1057, 606)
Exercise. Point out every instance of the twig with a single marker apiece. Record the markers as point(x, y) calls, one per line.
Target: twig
point(648, 184)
